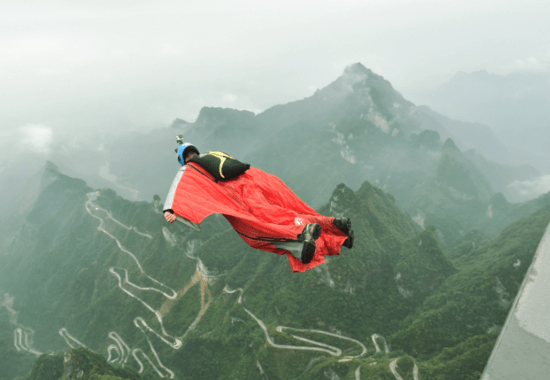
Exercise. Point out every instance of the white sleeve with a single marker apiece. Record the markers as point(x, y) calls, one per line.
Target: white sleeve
point(172, 192)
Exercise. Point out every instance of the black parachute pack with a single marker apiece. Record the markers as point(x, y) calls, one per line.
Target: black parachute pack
point(221, 165)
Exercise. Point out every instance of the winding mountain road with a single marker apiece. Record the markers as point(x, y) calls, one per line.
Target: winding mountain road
point(119, 352)
point(201, 276)
point(22, 336)
point(19, 344)
point(393, 369)
point(322, 347)
point(69, 338)
point(386, 348)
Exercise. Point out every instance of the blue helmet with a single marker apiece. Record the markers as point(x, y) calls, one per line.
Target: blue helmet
point(183, 150)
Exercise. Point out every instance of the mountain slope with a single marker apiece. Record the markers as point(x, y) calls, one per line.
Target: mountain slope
point(476, 300)
point(90, 268)
point(81, 364)
point(94, 260)
point(513, 105)
point(356, 129)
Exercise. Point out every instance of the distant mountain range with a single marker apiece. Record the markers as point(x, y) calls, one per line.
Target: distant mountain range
point(514, 105)
point(89, 268)
point(353, 124)
point(438, 257)
point(357, 128)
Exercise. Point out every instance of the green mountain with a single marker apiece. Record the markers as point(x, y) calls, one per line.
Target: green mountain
point(14, 362)
point(81, 364)
point(438, 256)
point(356, 129)
point(89, 268)
point(469, 309)
point(349, 131)
point(499, 175)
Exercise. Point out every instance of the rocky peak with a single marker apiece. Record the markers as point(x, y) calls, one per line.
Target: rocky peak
point(213, 117)
point(49, 174)
point(50, 166)
point(357, 68)
point(178, 123)
point(427, 138)
point(450, 146)
point(354, 74)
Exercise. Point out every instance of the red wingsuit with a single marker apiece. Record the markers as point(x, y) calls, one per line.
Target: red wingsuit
point(261, 208)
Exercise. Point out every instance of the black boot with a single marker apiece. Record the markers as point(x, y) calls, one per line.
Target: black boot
point(344, 225)
point(309, 235)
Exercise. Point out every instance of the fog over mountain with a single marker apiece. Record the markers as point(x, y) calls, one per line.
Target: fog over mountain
point(514, 106)
point(443, 240)
point(106, 157)
point(141, 64)
point(74, 74)
point(425, 122)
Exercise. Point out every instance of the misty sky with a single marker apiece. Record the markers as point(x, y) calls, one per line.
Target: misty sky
point(154, 61)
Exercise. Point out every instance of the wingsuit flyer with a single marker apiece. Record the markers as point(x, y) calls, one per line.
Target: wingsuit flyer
point(266, 214)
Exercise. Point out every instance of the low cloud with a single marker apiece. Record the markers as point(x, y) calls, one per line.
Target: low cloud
point(533, 188)
point(37, 137)
point(229, 98)
point(537, 64)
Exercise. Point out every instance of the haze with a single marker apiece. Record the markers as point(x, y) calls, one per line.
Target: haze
point(109, 67)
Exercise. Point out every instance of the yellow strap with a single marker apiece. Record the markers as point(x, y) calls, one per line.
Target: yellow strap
point(222, 156)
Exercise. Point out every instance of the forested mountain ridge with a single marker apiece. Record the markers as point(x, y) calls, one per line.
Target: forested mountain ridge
point(85, 266)
point(349, 131)
point(437, 259)
point(472, 305)
point(77, 364)
point(356, 129)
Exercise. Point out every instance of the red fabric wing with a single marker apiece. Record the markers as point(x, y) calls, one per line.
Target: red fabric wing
point(259, 206)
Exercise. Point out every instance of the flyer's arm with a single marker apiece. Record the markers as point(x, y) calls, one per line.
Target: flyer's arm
point(170, 200)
